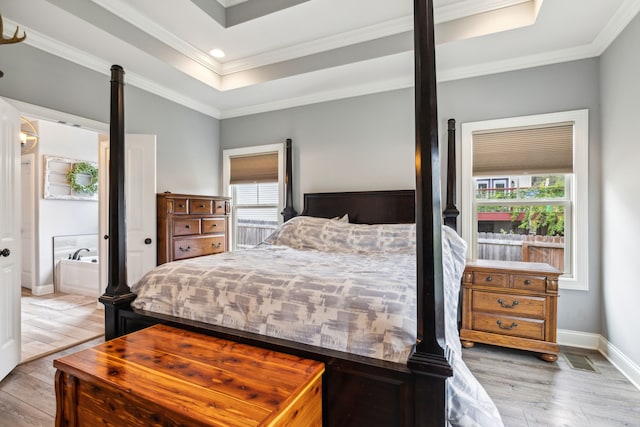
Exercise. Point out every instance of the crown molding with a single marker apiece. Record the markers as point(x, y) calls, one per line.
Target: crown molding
point(84, 59)
point(124, 11)
point(471, 7)
point(623, 16)
point(523, 62)
point(372, 32)
point(392, 84)
point(628, 10)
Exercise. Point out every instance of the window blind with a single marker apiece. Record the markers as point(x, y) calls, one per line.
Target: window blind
point(530, 150)
point(257, 168)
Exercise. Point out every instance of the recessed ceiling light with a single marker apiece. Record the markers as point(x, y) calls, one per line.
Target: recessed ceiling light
point(217, 53)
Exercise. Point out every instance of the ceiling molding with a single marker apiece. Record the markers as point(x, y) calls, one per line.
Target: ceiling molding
point(393, 84)
point(360, 35)
point(627, 11)
point(467, 8)
point(127, 13)
point(623, 16)
point(86, 60)
point(530, 61)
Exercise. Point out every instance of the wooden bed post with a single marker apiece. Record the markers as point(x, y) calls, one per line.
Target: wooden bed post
point(288, 212)
point(118, 294)
point(450, 211)
point(428, 361)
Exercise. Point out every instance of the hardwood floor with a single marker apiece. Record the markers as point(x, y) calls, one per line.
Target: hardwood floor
point(53, 322)
point(527, 391)
point(27, 396)
point(530, 392)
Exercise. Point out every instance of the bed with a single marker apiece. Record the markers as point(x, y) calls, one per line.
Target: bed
point(406, 378)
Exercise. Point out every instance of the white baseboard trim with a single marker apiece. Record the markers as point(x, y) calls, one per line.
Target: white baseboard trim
point(38, 290)
point(619, 360)
point(578, 339)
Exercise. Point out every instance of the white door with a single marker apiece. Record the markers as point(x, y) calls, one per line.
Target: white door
point(10, 254)
point(27, 193)
point(140, 206)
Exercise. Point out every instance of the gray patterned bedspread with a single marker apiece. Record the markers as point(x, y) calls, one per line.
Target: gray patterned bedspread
point(323, 282)
point(328, 283)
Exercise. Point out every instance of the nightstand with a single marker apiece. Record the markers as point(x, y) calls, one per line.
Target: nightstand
point(511, 304)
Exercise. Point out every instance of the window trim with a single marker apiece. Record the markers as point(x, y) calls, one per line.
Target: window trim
point(579, 279)
point(248, 151)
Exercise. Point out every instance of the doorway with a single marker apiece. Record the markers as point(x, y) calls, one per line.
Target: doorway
point(139, 147)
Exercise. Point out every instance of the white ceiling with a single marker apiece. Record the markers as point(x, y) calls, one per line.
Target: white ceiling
point(283, 53)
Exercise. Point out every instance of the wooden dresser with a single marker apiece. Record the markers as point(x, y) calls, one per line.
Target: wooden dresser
point(163, 376)
point(191, 226)
point(511, 304)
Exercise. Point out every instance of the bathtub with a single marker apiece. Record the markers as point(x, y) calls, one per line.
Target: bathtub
point(79, 276)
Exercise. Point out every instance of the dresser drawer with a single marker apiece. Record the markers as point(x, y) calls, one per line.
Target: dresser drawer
point(511, 304)
point(180, 206)
point(186, 227)
point(214, 225)
point(200, 207)
point(198, 246)
point(532, 283)
point(508, 325)
point(220, 207)
point(497, 280)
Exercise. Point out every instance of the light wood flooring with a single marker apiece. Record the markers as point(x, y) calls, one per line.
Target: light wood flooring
point(53, 322)
point(530, 392)
point(527, 391)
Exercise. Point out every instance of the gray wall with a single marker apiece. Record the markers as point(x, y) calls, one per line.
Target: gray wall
point(560, 87)
point(354, 144)
point(188, 147)
point(367, 142)
point(620, 69)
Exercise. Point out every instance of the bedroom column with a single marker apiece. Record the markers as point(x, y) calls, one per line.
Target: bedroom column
point(428, 360)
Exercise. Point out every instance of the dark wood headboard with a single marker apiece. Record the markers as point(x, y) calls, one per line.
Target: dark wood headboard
point(364, 207)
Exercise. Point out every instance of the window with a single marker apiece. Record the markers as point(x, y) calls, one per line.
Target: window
point(256, 211)
point(524, 191)
point(253, 179)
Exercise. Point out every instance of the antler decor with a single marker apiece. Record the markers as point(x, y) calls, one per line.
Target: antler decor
point(14, 39)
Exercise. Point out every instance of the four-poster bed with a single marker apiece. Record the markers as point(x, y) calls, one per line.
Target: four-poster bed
point(357, 390)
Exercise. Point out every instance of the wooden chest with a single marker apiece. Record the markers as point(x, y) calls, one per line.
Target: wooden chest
point(511, 304)
point(191, 226)
point(163, 376)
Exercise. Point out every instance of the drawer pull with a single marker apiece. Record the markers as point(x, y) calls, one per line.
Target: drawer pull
point(527, 282)
point(202, 206)
point(187, 226)
point(185, 250)
point(512, 305)
point(513, 325)
point(489, 278)
point(219, 244)
point(181, 206)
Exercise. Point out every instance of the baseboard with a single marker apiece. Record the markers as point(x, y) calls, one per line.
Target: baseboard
point(578, 339)
point(618, 359)
point(38, 290)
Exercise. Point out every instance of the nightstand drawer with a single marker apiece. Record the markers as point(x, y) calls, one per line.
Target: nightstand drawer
point(507, 325)
point(186, 227)
point(213, 225)
point(512, 304)
point(493, 279)
point(531, 283)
